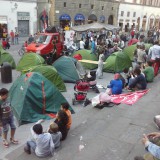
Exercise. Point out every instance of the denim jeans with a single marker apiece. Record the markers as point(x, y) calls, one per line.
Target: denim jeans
point(32, 146)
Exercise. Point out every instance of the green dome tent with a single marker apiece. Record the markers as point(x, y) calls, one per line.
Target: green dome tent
point(33, 97)
point(116, 62)
point(51, 74)
point(6, 57)
point(69, 69)
point(86, 54)
point(28, 61)
point(130, 49)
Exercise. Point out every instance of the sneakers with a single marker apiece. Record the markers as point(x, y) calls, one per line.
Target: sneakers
point(157, 121)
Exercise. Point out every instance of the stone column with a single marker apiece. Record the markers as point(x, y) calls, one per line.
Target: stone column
point(52, 13)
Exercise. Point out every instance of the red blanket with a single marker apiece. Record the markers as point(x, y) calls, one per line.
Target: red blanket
point(128, 98)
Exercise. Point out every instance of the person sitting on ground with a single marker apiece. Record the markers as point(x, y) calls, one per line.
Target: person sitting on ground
point(148, 70)
point(30, 39)
point(7, 118)
point(56, 135)
point(62, 121)
point(137, 81)
point(152, 145)
point(116, 85)
point(42, 145)
point(4, 43)
point(65, 107)
point(126, 75)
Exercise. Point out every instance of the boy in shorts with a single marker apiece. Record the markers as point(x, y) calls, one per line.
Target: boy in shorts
point(6, 118)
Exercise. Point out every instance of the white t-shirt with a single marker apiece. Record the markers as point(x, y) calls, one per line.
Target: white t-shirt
point(81, 43)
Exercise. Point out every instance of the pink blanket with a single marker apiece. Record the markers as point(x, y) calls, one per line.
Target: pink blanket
point(128, 98)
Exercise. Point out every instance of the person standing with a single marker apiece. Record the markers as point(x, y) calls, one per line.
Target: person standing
point(81, 44)
point(12, 37)
point(16, 37)
point(93, 46)
point(7, 118)
point(154, 53)
point(99, 71)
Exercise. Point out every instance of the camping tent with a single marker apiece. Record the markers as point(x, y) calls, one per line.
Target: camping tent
point(130, 49)
point(6, 57)
point(86, 54)
point(69, 69)
point(51, 74)
point(28, 61)
point(116, 62)
point(33, 97)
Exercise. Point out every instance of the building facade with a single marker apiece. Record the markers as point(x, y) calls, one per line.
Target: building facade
point(19, 16)
point(139, 14)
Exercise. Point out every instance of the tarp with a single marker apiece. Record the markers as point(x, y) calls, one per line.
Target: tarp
point(6, 57)
point(66, 68)
point(86, 54)
point(130, 50)
point(28, 61)
point(94, 27)
point(51, 74)
point(116, 62)
point(132, 41)
point(128, 98)
point(33, 97)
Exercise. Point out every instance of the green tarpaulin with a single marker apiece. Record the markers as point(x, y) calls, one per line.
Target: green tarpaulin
point(130, 50)
point(116, 62)
point(6, 57)
point(51, 74)
point(86, 54)
point(66, 68)
point(28, 61)
point(32, 97)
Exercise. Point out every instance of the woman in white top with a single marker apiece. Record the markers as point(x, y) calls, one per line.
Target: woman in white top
point(99, 71)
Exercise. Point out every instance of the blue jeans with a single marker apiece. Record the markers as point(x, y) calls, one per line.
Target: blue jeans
point(31, 146)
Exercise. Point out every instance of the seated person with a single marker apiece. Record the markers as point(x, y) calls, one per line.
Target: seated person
point(116, 85)
point(152, 145)
point(56, 135)
point(42, 145)
point(126, 75)
point(62, 121)
point(137, 81)
point(4, 43)
point(148, 71)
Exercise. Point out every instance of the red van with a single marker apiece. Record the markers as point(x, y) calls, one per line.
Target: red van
point(45, 45)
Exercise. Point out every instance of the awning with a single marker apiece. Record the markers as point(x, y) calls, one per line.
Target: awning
point(3, 22)
point(79, 17)
point(92, 17)
point(65, 17)
point(102, 18)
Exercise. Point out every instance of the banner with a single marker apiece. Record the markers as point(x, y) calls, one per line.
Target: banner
point(128, 98)
point(69, 37)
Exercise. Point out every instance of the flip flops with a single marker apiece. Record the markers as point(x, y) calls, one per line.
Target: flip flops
point(14, 141)
point(5, 143)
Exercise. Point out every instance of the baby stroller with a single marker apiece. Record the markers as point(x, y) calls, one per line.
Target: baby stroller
point(91, 79)
point(81, 89)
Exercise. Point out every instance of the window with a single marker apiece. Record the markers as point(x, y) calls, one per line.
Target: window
point(92, 6)
point(134, 14)
point(64, 4)
point(80, 5)
point(122, 13)
point(102, 7)
point(128, 14)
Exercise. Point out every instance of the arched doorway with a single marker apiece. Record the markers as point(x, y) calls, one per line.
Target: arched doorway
point(151, 21)
point(79, 19)
point(144, 23)
point(110, 20)
point(65, 20)
point(156, 24)
point(92, 18)
point(138, 23)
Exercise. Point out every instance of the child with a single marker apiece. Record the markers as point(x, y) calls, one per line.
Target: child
point(65, 107)
point(42, 145)
point(148, 71)
point(56, 135)
point(6, 118)
point(62, 121)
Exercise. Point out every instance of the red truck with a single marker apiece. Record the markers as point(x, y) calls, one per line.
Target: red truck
point(48, 45)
